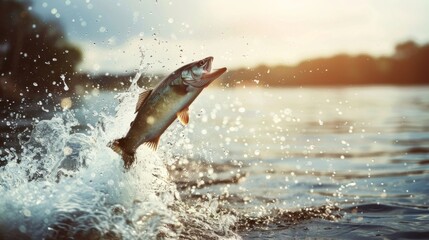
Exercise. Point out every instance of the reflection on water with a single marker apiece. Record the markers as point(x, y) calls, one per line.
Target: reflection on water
point(298, 162)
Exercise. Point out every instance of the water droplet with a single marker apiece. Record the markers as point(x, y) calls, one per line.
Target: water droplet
point(150, 120)
point(22, 229)
point(66, 103)
point(67, 151)
point(63, 77)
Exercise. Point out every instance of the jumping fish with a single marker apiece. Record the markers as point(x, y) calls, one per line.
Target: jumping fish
point(157, 108)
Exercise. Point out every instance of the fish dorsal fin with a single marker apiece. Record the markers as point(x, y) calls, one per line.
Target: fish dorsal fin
point(142, 97)
point(183, 116)
point(153, 144)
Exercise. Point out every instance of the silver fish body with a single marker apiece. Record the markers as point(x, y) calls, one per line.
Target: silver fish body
point(157, 108)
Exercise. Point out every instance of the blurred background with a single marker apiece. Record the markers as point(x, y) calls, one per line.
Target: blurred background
point(58, 46)
point(324, 104)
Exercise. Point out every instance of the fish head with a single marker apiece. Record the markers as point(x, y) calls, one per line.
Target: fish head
point(199, 74)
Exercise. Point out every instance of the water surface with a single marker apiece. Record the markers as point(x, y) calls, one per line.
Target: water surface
point(346, 163)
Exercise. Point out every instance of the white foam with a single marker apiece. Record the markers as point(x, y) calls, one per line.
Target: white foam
point(71, 185)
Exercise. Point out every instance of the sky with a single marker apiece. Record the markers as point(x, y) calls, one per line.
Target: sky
point(118, 36)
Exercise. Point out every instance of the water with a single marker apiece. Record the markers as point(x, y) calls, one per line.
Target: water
point(343, 163)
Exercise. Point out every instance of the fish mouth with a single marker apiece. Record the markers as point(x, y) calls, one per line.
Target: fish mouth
point(208, 75)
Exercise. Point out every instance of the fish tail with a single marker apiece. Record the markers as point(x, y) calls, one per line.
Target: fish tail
point(128, 158)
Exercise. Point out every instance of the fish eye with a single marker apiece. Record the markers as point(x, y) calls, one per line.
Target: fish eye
point(200, 63)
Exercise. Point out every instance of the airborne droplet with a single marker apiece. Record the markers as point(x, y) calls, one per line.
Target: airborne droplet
point(63, 77)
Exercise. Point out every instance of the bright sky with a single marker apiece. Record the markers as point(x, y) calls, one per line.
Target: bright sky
point(238, 33)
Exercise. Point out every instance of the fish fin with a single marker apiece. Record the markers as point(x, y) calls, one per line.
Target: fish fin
point(183, 116)
point(153, 144)
point(126, 157)
point(142, 97)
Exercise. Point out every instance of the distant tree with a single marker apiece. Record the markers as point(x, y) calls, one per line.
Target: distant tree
point(409, 65)
point(406, 49)
point(34, 54)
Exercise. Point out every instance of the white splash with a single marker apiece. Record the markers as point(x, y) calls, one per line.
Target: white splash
point(69, 184)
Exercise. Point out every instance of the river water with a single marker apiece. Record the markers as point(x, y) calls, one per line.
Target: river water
point(342, 163)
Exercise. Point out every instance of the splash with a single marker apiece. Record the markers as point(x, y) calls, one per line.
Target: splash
point(70, 184)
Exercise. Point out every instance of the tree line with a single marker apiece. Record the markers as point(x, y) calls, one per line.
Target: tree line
point(407, 66)
point(36, 59)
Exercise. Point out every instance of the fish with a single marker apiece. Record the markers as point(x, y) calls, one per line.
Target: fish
point(159, 107)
